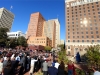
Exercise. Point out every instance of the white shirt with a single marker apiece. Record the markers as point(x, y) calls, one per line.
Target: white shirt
point(57, 65)
point(1, 67)
point(5, 58)
point(18, 58)
point(96, 73)
point(33, 61)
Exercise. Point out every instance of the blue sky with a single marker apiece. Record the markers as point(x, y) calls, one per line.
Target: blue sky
point(22, 10)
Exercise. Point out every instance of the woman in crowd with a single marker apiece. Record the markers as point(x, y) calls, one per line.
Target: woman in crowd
point(61, 69)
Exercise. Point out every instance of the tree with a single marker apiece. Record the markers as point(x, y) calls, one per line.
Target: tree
point(22, 41)
point(11, 43)
point(62, 46)
point(93, 56)
point(47, 48)
point(3, 36)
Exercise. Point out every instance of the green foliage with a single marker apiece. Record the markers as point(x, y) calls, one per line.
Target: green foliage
point(47, 48)
point(3, 36)
point(62, 47)
point(11, 43)
point(62, 56)
point(22, 41)
point(93, 55)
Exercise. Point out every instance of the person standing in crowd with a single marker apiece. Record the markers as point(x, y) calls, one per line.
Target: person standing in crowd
point(71, 68)
point(78, 59)
point(52, 70)
point(32, 65)
point(45, 68)
point(8, 69)
point(1, 66)
point(56, 64)
point(61, 69)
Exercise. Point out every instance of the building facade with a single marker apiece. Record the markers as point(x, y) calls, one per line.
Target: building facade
point(44, 41)
point(82, 24)
point(57, 39)
point(62, 42)
point(35, 27)
point(15, 34)
point(50, 31)
point(39, 27)
point(6, 18)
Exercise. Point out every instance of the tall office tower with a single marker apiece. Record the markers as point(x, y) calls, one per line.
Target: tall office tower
point(6, 18)
point(57, 39)
point(35, 27)
point(50, 30)
point(82, 24)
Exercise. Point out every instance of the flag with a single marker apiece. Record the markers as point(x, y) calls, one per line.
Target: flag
point(11, 7)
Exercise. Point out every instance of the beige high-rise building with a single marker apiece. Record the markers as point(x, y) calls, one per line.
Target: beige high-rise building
point(82, 24)
point(50, 31)
point(6, 18)
point(57, 38)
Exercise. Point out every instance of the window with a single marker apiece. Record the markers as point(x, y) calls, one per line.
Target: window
point(91, 28)
point(90, 24)
point(94, 16)
point(77, 36)
point(68, 40)
point(82, 36)
point(92, 36)
point(96, 28)
point(88, 10)
point(92, 40)
point(98, 36)
point(73, 36)
point(92, 6)
point(96, 32)
point(81, 32)
point(98, 40)
point(91, 32)
point(87, 37)
point(82, 40)
point(87, 40)
point(73, 40)
point(98, 12)
point(78, 41)
point(68, 47)
point(68, 36)
point(73, 32)
point(96, 2)
point(77, 32)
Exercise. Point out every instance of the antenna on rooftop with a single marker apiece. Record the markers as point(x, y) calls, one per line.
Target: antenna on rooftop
point(57, 16)
point(11, 7)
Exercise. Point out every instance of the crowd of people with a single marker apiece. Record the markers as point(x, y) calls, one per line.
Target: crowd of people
point(19, 62)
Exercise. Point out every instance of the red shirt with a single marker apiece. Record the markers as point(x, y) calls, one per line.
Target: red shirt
point(70, 67)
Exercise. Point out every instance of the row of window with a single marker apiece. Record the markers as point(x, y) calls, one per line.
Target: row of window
point(96, 28)
point(76, 9)
point(37, 41)
point(78, 29)
point(84, 41)
point(84, 37)
point(96, 17)
point(82, 32)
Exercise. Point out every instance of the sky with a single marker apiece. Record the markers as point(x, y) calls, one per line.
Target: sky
point(22, 9)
